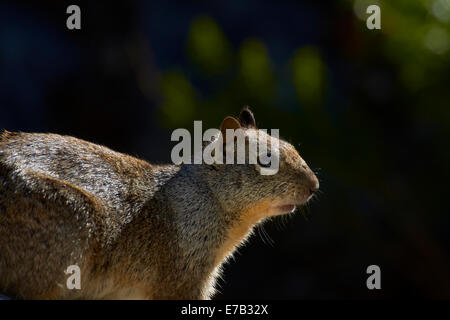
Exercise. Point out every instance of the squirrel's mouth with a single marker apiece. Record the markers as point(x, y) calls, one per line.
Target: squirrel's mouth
point(289, 205)
point(285, 208)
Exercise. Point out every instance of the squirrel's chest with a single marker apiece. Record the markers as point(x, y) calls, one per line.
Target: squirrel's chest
point(238, 232)
point(110, 289)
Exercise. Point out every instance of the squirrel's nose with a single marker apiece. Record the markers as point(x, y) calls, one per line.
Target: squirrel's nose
point(314, 188)
point(313, 183)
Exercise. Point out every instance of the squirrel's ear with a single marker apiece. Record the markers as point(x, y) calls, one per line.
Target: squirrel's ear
point(246, 118)
point(229, 123)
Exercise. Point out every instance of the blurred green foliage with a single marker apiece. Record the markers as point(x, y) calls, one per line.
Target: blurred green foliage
point(309, 76)
point(255, 70)
point(208, 47)
point(180, 99)
point(414, 37)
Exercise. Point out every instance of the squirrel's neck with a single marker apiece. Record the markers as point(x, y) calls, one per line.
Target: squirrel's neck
point(204, 221)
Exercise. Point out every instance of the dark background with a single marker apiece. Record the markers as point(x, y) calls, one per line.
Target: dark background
point(367, 109)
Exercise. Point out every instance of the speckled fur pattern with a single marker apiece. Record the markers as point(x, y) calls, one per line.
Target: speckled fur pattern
point(137, 231)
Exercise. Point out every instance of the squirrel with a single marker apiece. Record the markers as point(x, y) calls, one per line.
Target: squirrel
point(135, 230)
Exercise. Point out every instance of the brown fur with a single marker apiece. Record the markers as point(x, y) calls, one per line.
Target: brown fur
point(136, 231)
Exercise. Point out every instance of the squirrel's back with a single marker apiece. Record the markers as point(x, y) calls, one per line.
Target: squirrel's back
point(108, 175)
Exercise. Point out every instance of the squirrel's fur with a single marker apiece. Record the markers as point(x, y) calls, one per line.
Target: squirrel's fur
point(137, 231)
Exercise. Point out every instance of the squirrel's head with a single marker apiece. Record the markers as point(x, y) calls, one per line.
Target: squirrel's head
point(275, 182)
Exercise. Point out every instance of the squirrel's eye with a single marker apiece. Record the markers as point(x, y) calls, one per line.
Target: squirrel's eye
point(267, 165)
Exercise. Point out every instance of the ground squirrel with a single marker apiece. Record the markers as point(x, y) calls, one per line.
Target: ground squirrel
point(136, 230)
